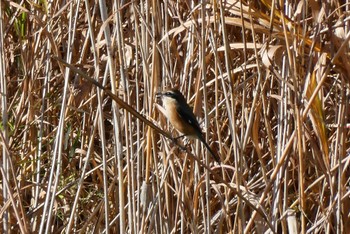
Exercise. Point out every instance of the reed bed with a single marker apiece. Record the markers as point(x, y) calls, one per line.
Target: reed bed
point(86, 148)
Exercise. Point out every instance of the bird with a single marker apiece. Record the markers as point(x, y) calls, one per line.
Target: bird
point(181, 116)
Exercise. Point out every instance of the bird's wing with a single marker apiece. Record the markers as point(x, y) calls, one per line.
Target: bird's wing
point(186, 113)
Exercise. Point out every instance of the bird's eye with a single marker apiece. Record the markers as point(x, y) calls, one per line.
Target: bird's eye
point(169, 94)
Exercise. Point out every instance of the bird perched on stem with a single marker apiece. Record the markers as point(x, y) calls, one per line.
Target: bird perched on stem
point(182, 118)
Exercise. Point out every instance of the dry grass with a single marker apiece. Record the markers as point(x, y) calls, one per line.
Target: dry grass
point(269, 82)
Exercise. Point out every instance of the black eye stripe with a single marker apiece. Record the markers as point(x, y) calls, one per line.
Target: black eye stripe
point(170, 94)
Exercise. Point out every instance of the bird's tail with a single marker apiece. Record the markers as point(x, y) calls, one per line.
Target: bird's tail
point(215, 156)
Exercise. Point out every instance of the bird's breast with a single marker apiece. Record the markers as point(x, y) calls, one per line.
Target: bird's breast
point(175, 119)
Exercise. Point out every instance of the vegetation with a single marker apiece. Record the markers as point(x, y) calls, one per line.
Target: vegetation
point(268, 80)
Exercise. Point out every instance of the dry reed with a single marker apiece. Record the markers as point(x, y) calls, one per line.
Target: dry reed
point(269, 81)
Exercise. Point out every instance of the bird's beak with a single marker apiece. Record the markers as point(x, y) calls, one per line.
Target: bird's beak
point(158, 95)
